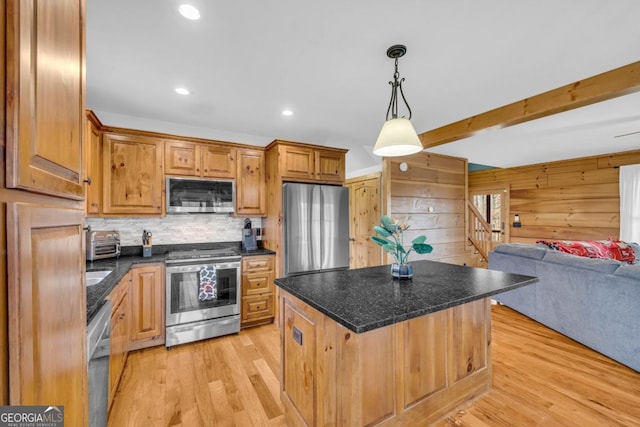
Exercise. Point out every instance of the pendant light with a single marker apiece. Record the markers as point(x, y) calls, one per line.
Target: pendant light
point(397, 137)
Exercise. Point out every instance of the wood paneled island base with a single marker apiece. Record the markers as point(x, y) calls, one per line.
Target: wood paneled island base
point(416, 370)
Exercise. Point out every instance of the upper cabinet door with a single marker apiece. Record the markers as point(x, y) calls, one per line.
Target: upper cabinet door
point(250, 183)
point(296, 162)
point(93, 166)
point(132, 174)
point(181, 158)
point(330, 165)
point(218, 161)
point(45, 96)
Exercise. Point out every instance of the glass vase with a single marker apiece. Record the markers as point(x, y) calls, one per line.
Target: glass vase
point(402, 271)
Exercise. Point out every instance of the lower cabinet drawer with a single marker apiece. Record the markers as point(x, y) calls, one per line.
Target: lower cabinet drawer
point(256, 283)
point(258, 307)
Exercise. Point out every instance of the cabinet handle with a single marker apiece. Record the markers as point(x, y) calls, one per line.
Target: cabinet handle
point(87, 228)
point(88, 181)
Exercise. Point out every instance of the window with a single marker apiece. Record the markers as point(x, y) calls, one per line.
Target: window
point(630, 203)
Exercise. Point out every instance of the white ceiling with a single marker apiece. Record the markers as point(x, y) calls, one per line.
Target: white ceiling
point(246, 61)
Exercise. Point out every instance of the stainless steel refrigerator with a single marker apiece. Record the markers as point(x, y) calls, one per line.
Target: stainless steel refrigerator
point(316, 228)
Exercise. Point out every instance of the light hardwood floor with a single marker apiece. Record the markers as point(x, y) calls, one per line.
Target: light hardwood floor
point(540, 378)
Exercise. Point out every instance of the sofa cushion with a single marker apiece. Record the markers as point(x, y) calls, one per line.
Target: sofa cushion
point(605, 266)
point(632, 271)
point(608, 249)
point(526, 250)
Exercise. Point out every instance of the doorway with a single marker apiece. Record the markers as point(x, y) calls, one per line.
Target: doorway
point(364, 213)
point(493, 204)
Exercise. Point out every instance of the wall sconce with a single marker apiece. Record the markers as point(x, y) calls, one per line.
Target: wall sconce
point(516, 221)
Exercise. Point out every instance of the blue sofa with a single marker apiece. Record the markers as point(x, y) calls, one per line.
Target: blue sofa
point(593, 301)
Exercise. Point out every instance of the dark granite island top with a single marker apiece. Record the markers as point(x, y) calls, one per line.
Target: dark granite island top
point(368, 298)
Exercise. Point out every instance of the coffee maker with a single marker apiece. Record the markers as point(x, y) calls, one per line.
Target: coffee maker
point(249, 242)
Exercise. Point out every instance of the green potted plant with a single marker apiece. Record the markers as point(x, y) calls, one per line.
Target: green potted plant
point(390, 237)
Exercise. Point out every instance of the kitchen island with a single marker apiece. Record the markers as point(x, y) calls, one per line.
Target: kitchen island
point(359, 348)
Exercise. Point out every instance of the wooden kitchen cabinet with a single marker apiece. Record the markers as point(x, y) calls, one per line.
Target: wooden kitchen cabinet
point(43, 356)
point(257, 290)
point(250, 183)
point(296, 162)
point(93, 165)
point(132, 174)
point(120, 319)
point(203, 160)
point(46, 305)
point(218, 161)
point(329, 165)
point(310, 163)
point(45, 96)
point(147, 326)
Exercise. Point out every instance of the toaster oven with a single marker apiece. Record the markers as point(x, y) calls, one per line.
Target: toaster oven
point(102, 244)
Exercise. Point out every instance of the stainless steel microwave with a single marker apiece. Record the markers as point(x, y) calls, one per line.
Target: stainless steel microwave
point(200, 195)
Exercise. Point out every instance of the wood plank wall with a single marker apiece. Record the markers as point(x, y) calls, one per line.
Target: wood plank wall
point(431, 181)
point(574, 199)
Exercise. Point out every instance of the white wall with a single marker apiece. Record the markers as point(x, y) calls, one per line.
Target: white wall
point(173, 229)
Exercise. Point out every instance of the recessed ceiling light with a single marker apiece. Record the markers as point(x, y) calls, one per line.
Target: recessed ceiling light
point(189, 12)
point(182, 91)
point(287, 113)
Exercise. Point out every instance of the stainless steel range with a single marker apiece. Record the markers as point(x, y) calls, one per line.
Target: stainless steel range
point(203, 295)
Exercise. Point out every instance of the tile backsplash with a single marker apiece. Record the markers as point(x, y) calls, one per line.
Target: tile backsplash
point(175, 229)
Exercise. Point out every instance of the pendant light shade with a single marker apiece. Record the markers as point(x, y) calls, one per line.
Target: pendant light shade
point(397, 137)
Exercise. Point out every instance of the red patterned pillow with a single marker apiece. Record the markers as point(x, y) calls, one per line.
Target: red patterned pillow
point(608, 249)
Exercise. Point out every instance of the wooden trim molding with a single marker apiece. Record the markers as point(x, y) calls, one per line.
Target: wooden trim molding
point(303, 144)
point(611, 84)
point(167, 136)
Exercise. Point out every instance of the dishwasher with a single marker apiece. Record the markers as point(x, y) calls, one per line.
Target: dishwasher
point(98, 349)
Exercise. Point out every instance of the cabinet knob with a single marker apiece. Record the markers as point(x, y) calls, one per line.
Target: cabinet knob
point(87, 229)
point(88, 181)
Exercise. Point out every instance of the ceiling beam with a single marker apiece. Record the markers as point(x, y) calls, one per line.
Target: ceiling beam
point(610, 84)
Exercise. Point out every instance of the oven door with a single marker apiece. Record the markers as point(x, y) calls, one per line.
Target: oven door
point(183, 302)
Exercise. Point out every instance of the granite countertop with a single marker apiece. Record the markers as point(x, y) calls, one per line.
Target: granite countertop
point(131, 255)
point(369, 298)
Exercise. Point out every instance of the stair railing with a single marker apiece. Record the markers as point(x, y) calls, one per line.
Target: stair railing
point(480, 233)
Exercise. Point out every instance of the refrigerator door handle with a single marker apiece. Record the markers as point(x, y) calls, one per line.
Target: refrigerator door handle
point(321, 232)
point(316, 228)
